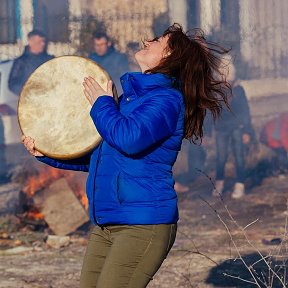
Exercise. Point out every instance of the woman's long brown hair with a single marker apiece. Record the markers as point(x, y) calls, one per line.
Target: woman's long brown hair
point(197, 64)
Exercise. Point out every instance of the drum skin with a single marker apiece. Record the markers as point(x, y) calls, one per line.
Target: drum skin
point(53, 109)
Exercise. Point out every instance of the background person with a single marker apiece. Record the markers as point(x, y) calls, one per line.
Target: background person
point(104, 54)
point(33, 56)
point(233, 129)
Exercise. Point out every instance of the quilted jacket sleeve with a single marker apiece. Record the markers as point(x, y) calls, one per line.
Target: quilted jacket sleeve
point(152, 121)
point(79, 164)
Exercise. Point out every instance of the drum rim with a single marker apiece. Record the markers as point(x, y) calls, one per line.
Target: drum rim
point(89, 148)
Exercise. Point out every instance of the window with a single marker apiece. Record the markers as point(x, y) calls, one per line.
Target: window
point(8, 21)
point(52, 17)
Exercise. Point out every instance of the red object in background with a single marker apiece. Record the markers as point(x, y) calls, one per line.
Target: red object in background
point(6, 110)
point(275, 133)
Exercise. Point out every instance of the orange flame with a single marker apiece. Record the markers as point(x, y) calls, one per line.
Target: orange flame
point(84, 201)
point(42, 180)
point(47, 176)
point(34, 215)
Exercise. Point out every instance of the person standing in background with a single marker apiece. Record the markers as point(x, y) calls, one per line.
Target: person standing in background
point(104, 54)
point(34, 55)
point(233, 128)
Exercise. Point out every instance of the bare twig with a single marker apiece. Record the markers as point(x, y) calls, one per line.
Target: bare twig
point(232, 241)
point(197, 250)
point(239, 278)
point(253, 246)
point(250, 269)
point(248, 225)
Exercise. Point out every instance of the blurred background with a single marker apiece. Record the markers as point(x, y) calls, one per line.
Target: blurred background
point(257, 33)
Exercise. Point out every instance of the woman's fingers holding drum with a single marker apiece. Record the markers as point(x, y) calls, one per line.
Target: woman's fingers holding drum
point(27, 140)
point(94, 84)
point(91, 85)
point(92, 89)
point(24, 138)
point(87, 90)
point(29, 144)
point(88, 96)
point(98, 88)
point(87, 86)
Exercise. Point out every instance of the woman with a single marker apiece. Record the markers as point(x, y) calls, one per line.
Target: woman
point(130, 184)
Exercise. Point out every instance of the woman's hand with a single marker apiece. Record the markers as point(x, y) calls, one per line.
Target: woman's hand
point(93, 90)
point(29, 144)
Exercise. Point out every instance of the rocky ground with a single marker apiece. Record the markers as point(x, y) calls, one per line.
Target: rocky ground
point(203, 255)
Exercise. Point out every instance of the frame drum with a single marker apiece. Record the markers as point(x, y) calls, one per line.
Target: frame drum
point(53, 109)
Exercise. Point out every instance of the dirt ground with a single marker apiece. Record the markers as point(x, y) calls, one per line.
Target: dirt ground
point(202, 254)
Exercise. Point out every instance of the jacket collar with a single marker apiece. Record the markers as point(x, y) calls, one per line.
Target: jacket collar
point(139, 82)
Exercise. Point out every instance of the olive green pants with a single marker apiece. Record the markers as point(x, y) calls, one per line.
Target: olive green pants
point(125, 255)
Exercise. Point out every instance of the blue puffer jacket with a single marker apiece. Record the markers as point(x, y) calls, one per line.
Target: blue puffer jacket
point(130, 177)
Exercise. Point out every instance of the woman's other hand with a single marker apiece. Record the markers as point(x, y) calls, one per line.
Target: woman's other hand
point(29, 144)
point(93, 90)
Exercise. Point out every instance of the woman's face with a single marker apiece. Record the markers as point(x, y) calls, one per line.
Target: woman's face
point(152, 53)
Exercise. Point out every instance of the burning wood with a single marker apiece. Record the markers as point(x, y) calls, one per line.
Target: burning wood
point(52, 197)
point(41, 180)
point(47, 176)
point(61, 208)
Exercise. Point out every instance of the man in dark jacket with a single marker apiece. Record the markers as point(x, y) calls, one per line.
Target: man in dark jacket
point(34, 55)
point(114, 62)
